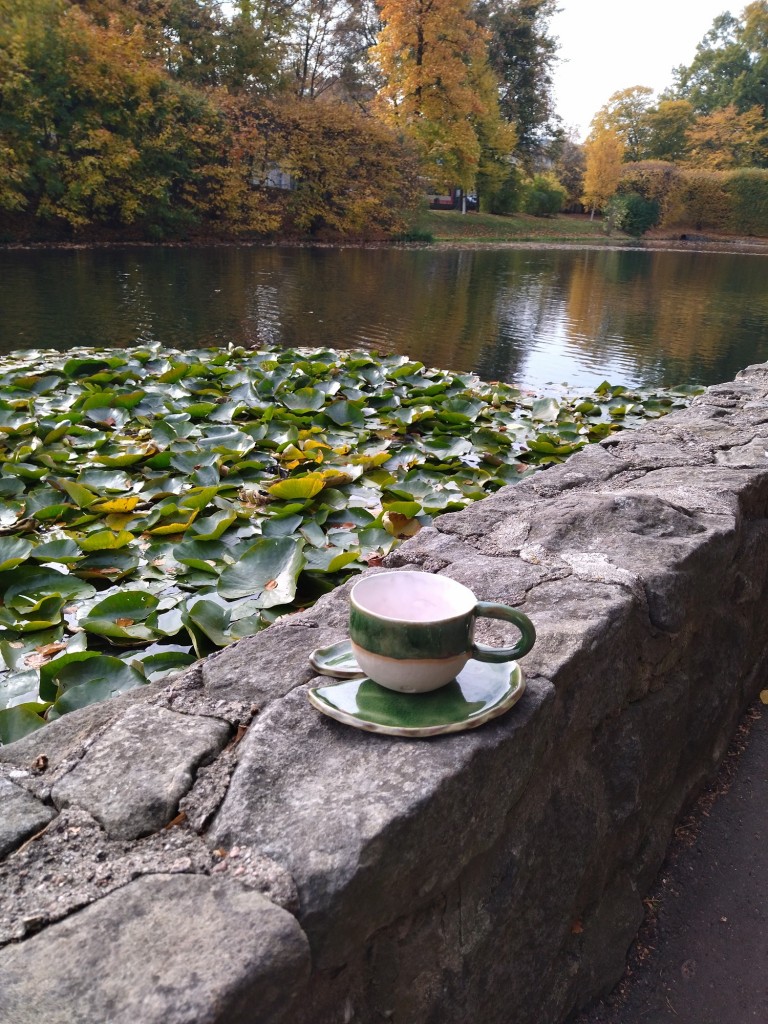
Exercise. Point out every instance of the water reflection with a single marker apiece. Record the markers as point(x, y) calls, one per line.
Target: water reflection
point(527, 316)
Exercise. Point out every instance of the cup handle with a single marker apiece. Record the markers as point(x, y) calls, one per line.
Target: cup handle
point(496, 655)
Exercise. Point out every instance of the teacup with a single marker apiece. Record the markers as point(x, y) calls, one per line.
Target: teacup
point(413, 631)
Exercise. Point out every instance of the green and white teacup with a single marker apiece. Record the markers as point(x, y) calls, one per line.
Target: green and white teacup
point(413, 631)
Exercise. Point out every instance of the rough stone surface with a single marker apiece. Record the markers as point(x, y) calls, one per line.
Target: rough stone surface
point(128, 959)
point(493, 875)
point(133, 777)
point(22, 816)
point(420, 810)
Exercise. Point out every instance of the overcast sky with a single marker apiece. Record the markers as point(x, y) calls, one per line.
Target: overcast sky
point(608, 45)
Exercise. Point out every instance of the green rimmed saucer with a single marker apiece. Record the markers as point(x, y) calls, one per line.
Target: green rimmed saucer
point(336, 660)
point(479, 693)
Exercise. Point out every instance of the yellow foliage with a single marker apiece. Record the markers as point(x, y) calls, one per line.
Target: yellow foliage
point(438, 88)
point(350, 173)
point(726, 139)
point(604, 152)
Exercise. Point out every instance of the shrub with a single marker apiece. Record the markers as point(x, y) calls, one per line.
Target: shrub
point(632, 213)
point(504, 198)
point(544, 196)
point(654, 180)
point(699, 199)
point(748, 192)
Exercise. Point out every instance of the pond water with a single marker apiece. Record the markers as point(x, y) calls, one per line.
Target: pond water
point(531, 317)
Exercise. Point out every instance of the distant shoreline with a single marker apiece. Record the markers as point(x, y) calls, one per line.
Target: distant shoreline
point(745, 246)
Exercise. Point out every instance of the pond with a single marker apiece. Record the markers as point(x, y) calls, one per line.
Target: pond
point(531, 317)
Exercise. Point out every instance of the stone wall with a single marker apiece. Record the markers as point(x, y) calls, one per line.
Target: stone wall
point(213, 850)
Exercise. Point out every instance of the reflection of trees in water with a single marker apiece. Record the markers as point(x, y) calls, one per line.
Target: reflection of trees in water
point(435, 307)
point(530, 304)
point(665, 316)
point(681, 311)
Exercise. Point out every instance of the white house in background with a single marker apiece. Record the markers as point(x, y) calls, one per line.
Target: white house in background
point(276, 177)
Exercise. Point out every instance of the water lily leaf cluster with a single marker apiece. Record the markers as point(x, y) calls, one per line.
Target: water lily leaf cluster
point(157, 505)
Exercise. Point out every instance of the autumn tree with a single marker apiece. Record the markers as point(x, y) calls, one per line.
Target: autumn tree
point(351, 173)
point(569, 161)
point(437, 86)
point(604, 155)
point(726, 139)
point(182, 35)
point(100, 135)
point(626, 114)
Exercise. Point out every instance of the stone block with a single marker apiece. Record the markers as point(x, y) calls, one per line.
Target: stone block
point(167, 949)
point(21, 815)
point(133, 777)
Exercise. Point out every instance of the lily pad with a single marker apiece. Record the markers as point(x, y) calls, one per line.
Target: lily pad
point(229, 486)
point(268, 571)
point(122, 617)
point(13, 551)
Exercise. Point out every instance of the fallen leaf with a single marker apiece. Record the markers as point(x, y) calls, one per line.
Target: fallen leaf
point(51, 648)
point(180, 818)
point(764, 696)
point(43, 654)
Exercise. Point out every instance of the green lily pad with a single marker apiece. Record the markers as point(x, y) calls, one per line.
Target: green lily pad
point(19, 721)
point(105, 540)
point(13, 551)
point(109, 460)
point(92, 681)
point(32, 583)
point(207, 620)
point(122, 617)
point(268, 571)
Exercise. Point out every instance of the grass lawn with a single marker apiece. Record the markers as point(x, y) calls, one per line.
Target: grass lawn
point(452, 226)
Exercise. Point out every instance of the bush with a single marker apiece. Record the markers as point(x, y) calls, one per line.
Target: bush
point(651, 179)
point(544, 196)
point(748, 192)
point(633, 214)
point(503, 198)
point(699, 200)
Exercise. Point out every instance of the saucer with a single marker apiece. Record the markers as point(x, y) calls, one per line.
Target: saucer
point(336, 660)
point(480, 692)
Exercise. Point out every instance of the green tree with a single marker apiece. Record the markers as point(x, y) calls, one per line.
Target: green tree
point(523, 54)
point(254, 46)
point(730, 66)
point(626, 114)
point(667, 125)
point(633, 213)
point(544, 196)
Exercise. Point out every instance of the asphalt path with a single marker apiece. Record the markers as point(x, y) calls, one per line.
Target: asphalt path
point(701, 956)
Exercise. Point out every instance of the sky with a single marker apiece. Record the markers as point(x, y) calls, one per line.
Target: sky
point(609, 45)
